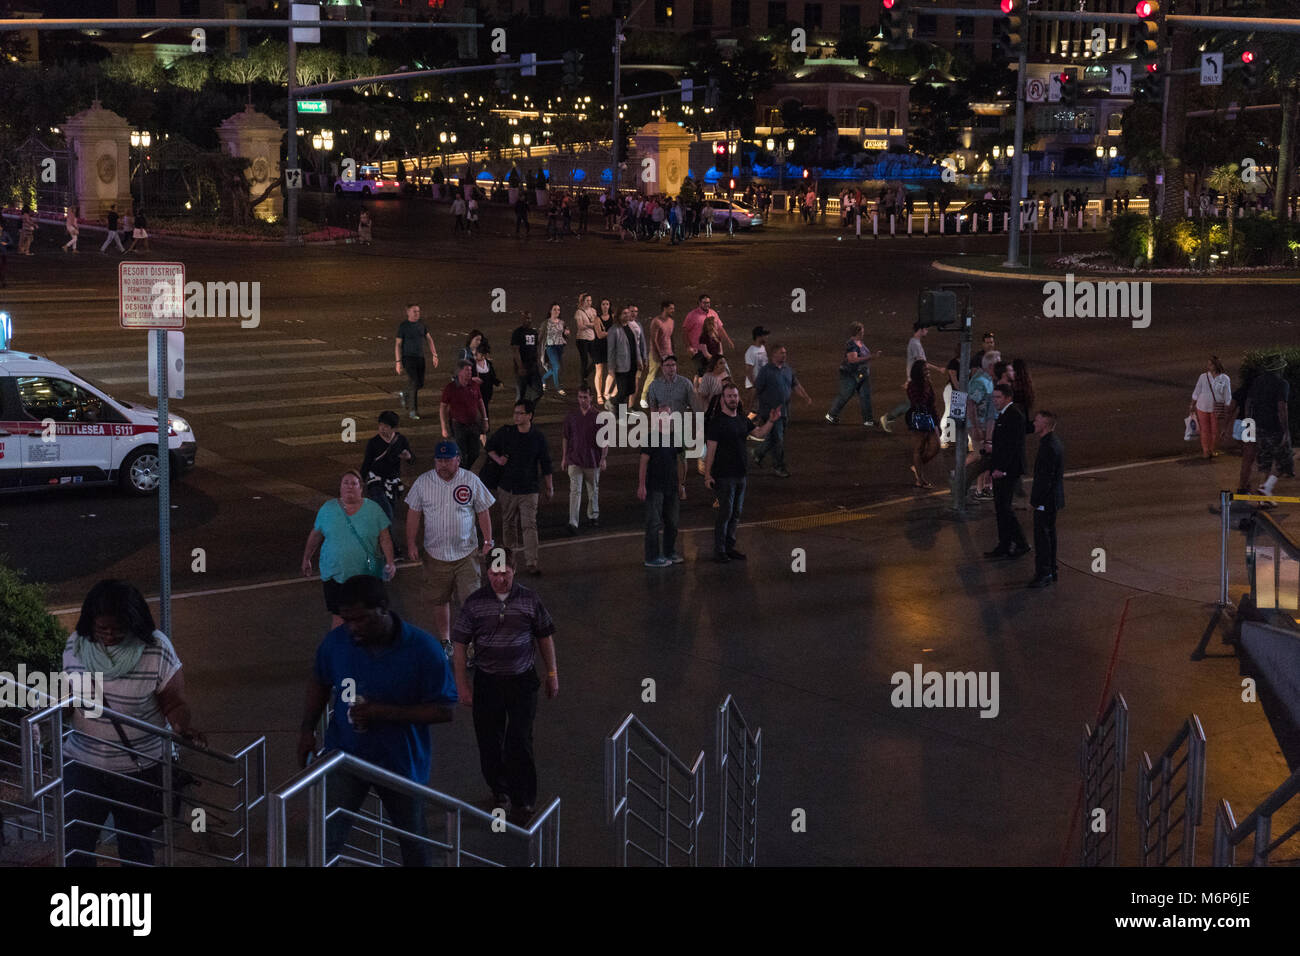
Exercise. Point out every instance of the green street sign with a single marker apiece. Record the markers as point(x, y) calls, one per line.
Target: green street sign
point(320, 107)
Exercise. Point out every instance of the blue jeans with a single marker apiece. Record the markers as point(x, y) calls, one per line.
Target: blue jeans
point(661, 512)
point(731, 501)
point(375, 492)
point(554, 356)
point(850, 383)
point(347, 792)
point(774, 443)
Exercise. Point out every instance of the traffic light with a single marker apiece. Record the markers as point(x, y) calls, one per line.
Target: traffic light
point(1010, 35)
point(1150, 87)
point(720, 156)
point(1152, 34)
point(936, 308)
point(893, 22)
point(572, 68)
point(1249, 72)
point(1069, 90)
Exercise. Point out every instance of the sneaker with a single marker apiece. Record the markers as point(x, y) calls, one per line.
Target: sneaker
point(735, 555)
point(676, 558)
point(413, 416)
point(869, 423)
point(594, 521)
point(885, 425)
point(781, 473)
point(721, 557)
point(571, 530)
point(644, 403)
point(831, 419)
point(560, 391)
point(658, 563)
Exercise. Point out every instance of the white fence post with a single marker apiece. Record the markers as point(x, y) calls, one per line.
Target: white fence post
point(875, 224)
point(891, 224)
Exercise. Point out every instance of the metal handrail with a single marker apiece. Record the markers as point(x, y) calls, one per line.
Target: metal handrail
point(1228, 833)
point(1264, 524)
point(618, 809)
point(1103, 758)
point(1164, 774)
point(312, 781)
point(739, 829)
point(37, 782)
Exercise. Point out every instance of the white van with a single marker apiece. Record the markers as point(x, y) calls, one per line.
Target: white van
point(57, 429)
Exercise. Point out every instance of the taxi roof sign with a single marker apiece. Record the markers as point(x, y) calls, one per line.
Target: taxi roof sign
point(6, 330)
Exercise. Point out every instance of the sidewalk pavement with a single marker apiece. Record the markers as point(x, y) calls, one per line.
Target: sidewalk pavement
point(809, 656)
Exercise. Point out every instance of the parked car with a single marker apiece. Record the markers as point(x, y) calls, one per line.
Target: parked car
point(981, 208)
point(746, 216)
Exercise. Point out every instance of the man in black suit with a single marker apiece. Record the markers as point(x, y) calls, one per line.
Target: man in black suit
point(1007, 464)
point(1047, 497)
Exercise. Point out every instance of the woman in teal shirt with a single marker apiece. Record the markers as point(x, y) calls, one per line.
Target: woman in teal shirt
point(350, 531)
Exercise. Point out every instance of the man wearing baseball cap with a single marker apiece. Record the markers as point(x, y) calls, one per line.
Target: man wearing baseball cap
point(449, 499)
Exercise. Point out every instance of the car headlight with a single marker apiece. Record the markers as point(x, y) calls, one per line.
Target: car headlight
point(178, 424)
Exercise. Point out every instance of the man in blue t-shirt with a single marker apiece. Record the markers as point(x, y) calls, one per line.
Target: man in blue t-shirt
point(387, 681)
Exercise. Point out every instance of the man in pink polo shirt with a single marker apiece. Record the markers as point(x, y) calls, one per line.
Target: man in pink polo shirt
point(661, 344)
point(692, 326)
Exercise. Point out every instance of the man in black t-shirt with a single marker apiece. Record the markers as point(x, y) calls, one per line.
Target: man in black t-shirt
point(528, 374)
point(408, 352)
point(521, 452)
point(381, 468)
point(113, 235)
point(661, 484)
point(724, 467)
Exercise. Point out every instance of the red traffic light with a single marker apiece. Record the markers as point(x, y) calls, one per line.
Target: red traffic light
point(719, 148)
point(1065, 78)
point(1145, 8)
point(1153, 67)
point(1008, 6)
point(1247, 56)
point(887, 4)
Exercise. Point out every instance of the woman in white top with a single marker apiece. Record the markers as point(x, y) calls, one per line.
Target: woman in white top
point(110, 767)
point(554, 333)
point(585, 320)
point(1209, 399)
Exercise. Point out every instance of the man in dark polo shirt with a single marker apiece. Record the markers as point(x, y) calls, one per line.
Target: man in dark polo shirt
point(463, 414)
point(408, 350)
point(505, 621)
point(724, 467)
point(525, 461)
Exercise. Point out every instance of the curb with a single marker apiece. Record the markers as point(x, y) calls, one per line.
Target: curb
point(1261, 279)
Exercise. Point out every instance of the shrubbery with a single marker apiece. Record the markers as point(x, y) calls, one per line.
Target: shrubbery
point(1130, 238)
point(29, 634)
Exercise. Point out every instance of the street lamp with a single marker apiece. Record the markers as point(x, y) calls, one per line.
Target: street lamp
point(140, 139)
point(770, 144)
point(322, 142)
point(382, 135)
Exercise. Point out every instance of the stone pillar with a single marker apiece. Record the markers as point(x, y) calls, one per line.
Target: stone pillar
point(100, 144)
point(255, 137)
point(669, 146)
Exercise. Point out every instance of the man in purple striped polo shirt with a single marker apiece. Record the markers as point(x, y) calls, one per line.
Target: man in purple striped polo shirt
point(504, 621)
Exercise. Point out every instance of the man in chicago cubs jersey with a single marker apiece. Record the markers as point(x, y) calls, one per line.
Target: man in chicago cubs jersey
point(449, 499)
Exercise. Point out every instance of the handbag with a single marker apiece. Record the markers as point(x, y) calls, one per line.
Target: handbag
point(1219, 407)
point(1191, 429)
point(373, 567)
point(920, 419)
point(182, 779)
point(1238, 429)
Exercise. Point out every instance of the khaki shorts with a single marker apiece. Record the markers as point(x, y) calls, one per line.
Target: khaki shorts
point(448, 578)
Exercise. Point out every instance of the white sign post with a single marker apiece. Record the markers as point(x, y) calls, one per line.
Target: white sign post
point(151, 295)
point(1121, 79)
point(1211, 69)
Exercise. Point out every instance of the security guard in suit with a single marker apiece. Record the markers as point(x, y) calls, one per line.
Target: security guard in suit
point(1047, 497)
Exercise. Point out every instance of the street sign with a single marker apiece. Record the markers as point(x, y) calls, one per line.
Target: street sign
point(318, 107)
point(1035, 90)
point(1211, 69)
point(306, 12)
point(293, 178)
point(1054, 88)
point(1121, 79)
point(688, 91)
point(175, 363)
point(151, 295)
point(528, 62)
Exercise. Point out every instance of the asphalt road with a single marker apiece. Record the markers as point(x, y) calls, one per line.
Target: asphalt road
point(267, 404)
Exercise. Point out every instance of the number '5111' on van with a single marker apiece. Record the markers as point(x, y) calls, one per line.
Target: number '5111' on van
point(57, 429)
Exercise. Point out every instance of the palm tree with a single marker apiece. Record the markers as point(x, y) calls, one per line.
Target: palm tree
point(1227, 180)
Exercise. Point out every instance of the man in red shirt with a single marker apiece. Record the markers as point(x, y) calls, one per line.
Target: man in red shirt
point(463, 414)
point(693, 325)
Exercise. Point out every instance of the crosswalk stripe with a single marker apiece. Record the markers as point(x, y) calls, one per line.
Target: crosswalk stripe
point(294, 420)
point(254, 373)
point(200, 369)
point(67, 356)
